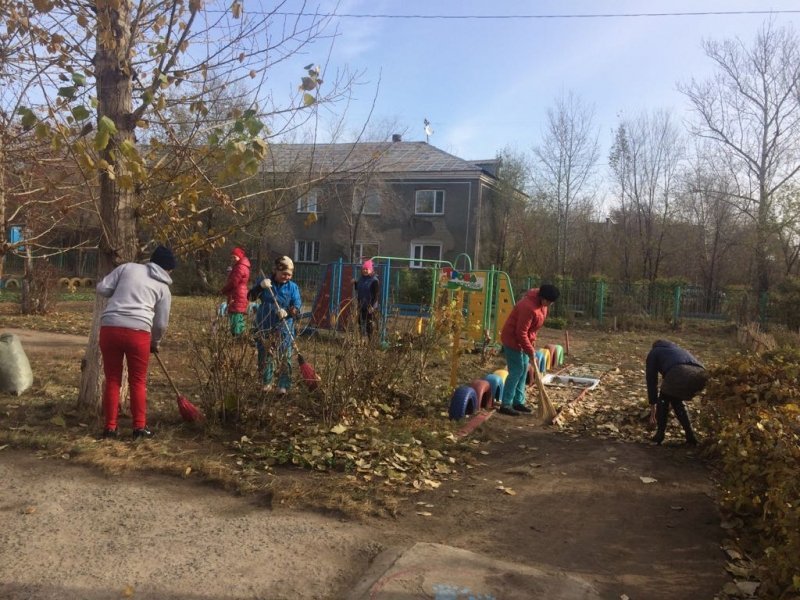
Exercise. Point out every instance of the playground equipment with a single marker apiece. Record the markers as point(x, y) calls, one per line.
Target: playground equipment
point(485, 296)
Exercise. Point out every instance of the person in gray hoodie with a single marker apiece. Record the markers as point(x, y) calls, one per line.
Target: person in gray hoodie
point(682, 376)
point(131, 327)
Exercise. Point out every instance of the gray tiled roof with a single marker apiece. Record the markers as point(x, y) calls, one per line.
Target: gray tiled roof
point(383, 157)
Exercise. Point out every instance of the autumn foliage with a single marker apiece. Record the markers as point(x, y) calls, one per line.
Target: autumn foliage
point(752, 408)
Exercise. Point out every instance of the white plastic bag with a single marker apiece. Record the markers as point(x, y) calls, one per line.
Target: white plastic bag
point(15, 370)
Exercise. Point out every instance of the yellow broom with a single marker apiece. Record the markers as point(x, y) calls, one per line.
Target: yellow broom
point(547, 411)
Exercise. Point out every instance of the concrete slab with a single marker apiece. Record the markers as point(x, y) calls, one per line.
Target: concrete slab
point(442, 572)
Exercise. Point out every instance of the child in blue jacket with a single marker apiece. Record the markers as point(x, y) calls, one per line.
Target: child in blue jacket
point(274, 325)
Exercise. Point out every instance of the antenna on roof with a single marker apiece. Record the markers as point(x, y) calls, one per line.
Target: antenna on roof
point(428, 129)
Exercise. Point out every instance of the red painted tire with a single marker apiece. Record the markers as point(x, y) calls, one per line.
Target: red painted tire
point(484, 392)
point(530, 378)
point(463, 402)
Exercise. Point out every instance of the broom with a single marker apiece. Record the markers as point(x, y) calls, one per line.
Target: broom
point(547, 411)
point(189, 412)
point(310, 377)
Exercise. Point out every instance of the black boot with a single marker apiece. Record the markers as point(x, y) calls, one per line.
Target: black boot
point(683, 418)
point(662, 414)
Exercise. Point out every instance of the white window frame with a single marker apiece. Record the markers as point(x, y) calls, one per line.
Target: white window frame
point(308, 247)
point(360, 257)
point(437, 195)
point(422, 245)
point(308, 202)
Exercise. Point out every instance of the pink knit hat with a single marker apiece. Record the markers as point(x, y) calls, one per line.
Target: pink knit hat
point(238, 252)
point(367, 264)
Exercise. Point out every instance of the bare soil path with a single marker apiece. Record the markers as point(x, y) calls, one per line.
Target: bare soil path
point(577, 505)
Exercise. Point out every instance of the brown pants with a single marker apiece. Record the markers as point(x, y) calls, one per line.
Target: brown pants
point(684, 382)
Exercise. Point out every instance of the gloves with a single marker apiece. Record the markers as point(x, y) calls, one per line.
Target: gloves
point(282, 314)
point(266, 283)
point(153, 347)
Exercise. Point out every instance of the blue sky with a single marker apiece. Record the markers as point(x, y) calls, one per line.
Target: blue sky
point(487, 84)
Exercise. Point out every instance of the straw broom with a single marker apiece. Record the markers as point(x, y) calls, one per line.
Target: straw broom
point(546, 411)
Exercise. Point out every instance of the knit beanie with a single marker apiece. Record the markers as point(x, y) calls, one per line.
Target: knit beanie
point(549, 292)
point(284, 263)
point(164, 258)
point(368, 266)
point(238, 252)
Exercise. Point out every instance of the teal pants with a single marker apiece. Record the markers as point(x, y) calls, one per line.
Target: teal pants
point(514, 388)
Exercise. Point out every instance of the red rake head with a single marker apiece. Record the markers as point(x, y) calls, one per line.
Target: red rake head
point(310, 377)
point(189, 412)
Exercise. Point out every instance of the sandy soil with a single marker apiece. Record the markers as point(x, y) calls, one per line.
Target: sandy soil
point(578, 505)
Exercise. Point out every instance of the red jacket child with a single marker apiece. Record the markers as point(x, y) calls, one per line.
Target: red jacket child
point(236, 287)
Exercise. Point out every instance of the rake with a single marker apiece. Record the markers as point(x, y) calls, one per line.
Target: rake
point(189, 412)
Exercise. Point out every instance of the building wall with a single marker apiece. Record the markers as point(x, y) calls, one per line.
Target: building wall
point(397, 227)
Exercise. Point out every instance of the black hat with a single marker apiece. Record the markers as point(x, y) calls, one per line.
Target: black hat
point(164, 258)
point(549, 292)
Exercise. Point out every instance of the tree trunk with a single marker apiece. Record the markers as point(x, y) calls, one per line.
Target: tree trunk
point(118, 243)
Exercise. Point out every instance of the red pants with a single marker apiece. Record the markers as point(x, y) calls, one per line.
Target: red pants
point(134, 346)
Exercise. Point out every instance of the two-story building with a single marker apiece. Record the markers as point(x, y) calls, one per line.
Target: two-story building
point(402, 199)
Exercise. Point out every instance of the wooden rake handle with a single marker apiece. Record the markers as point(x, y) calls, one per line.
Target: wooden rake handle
point(163, 368)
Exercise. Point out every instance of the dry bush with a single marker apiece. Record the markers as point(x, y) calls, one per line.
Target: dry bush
point(226, 367)
point(40, 290)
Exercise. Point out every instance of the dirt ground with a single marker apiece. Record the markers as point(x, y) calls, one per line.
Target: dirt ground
point(559, 501)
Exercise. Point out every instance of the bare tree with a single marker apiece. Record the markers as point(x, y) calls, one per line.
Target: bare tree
point(566, 161)
point(704, 204)
point(645, 161)
point(507, 210)
point(750, 111)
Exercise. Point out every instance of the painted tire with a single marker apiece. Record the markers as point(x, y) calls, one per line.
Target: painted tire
point(12, 283)
point(463, 402)
point(502, 374)
point(87, 282)
point(530, 378)
point(553, 356)
point(484, 392)
point(496, 384)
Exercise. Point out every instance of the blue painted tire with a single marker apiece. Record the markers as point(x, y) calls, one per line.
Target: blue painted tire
point(483, 391)
point(496, 384)
point(463, 402)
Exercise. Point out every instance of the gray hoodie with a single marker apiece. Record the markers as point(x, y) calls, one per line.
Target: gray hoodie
point(139, 298)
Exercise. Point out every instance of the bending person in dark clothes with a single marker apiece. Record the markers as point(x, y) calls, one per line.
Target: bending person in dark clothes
point(682, 377)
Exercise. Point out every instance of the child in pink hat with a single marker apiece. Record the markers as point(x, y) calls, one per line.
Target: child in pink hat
point(367, 293)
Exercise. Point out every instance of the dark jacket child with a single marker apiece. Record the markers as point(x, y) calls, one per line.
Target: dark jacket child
point(274, 324)
point(131, 327)
point(682, 376)
point(367, 291)
point(518, 337)
point(235, 289)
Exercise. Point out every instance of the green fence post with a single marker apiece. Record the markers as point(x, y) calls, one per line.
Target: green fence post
point(601, 300)
point(676, 307)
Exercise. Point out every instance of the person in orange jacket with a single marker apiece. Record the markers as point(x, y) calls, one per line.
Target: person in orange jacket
point(518, 337)
point(235, 289)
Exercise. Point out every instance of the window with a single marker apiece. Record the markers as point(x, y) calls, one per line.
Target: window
point(308, 203)
point(365, 250)
point(429, 202)
point(306, 251)
point(367, 203)
point(427, 251)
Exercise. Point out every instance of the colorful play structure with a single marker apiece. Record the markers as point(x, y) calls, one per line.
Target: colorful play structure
point(485, 295)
